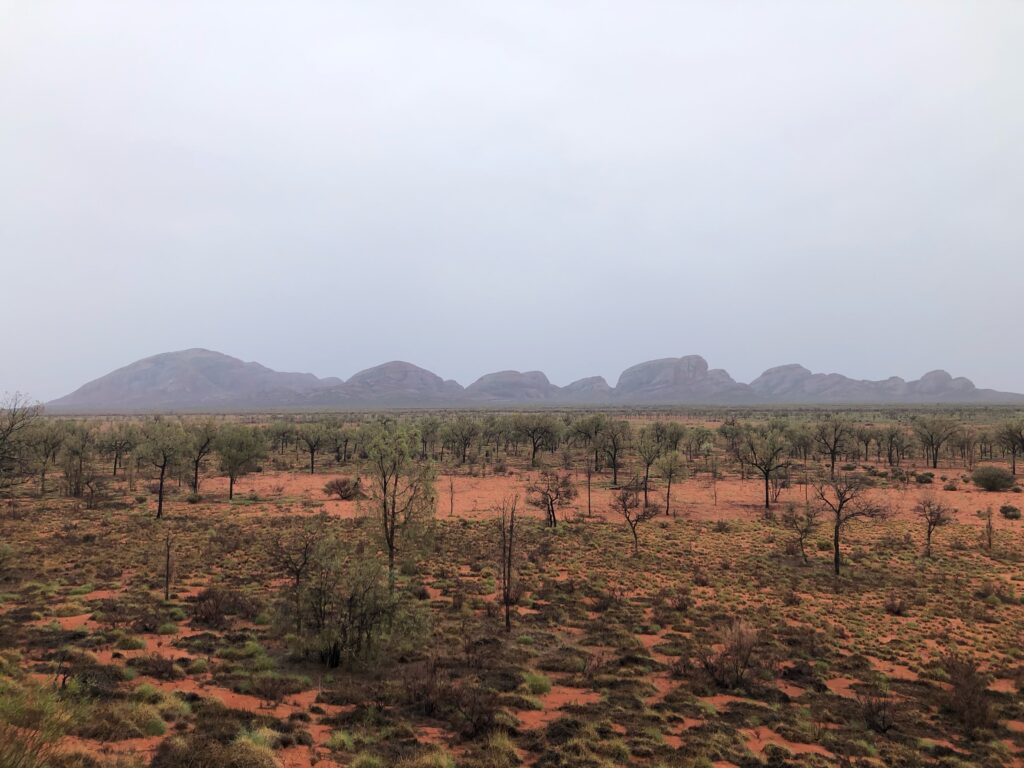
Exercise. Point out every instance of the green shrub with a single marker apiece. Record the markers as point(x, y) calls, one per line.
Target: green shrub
point(991, 478)
point(537, 683)
point(1010, 512)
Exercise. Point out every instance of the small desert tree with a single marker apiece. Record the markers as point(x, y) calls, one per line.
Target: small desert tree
point(199, 444)
point(933, 432)
point(162, 446)
point(45, 440)
point(627, 504)
point(1010, 437)
point(550, 492)
point(542, 430)
point(17, 414)
point(648, 448)
point(293, 553)
point(459, 433)
point(614, 441)
point(766, 449)
point(802, 522)
point(671, 468)
point(401, 490)
point(508, 530)
point(831, 435)
point(240, 448)
point(117, 442)
point(845, 499)
point(934, 514)
point(314, 438)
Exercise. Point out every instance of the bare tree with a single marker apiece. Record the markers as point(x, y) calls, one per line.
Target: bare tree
point(293, 555)
point(765, 449)
point(831, 434)
point(508, 527)
point(627, 503)
point(17, 414)
point(614, 440)
point(844, 497)
point(550, 492)
point(803, 523)
point(934, 514)
point(933, 432)
point(45, 441)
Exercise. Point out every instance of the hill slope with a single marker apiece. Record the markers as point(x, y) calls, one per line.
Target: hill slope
point(201, 380)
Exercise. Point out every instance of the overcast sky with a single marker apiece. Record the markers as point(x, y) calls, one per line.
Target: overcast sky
point(470, 186)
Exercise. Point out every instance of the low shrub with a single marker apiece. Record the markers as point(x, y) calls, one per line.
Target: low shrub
point(1010, 512)
point(345, 488)
point(991, 478)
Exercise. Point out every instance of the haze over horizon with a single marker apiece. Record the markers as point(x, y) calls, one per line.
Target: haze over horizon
point(474, 187)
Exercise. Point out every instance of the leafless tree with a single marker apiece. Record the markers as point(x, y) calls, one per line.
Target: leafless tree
point(803, 522)
point(614, 440)
point(831, 434)
point(508, 528)
point(934, 514)
point(765, 449)
point(845, 499)
point(293, 555)
point(550, 492)
point(627, 503)
point(17, 414)
point(933, 432)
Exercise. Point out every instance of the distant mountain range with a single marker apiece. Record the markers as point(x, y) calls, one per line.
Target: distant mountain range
point(201, 380)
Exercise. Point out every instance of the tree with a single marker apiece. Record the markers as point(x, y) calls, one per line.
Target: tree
point(933, 432)
point(844, 497)
point(764, 448)
point(119, 441)
point(293, 555)
point(803, 523)
point(588, 431)
point(831, 434)
point(550, 492)
point(460, 433)
point(45, 440)
point(163, 447)
point(627, 503)
point(240, 448)
point(614, 439)
point(1010, 437)
point(934, 514)
point(402, 492)
point(313, 437)
point(541, 430)
point(199, 443)
point(671, 468)
point(508, 528)
point(79, 447)
point(17, 415)
point(648, 449)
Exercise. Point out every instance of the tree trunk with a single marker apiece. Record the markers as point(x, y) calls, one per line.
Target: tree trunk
point(231, 488)
point(835, 549)
point(160, 493)
point(668, 495)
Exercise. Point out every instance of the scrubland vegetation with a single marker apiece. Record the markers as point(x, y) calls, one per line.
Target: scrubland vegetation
point(690, 588)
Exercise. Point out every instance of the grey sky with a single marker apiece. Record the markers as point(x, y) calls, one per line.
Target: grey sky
point(569, 186)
